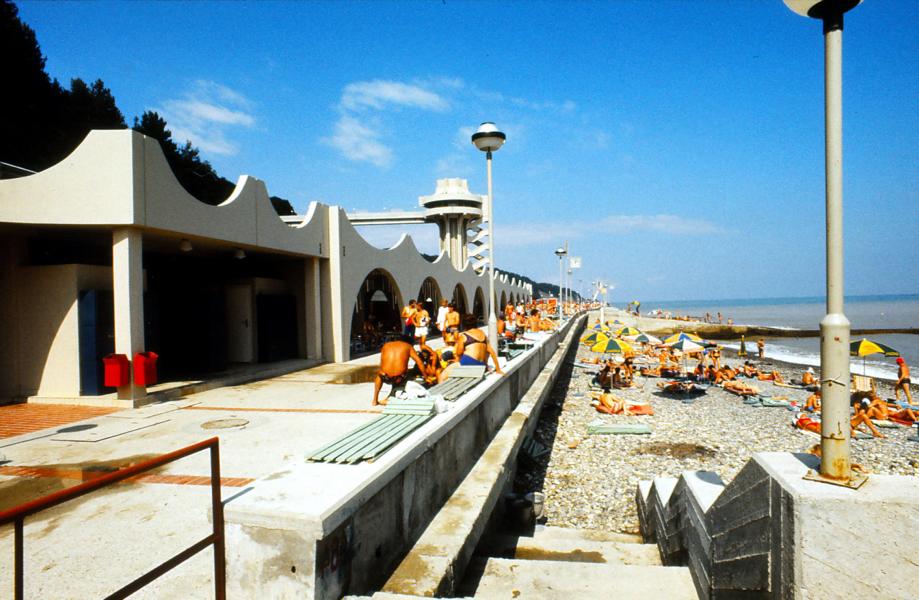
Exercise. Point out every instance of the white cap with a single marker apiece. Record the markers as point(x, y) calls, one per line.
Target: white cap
point(810, 370)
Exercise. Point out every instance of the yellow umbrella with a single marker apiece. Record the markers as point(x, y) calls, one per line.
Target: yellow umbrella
point(593, 338)
point(612, 346)
point(627, 331)
point(682, 335)
point(864, 347)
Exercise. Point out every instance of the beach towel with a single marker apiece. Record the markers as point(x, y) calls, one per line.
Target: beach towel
point(891, 424)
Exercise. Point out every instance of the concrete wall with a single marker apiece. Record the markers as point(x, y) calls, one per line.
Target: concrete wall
point(47, 343)
point(348, 536)
point(773, 534)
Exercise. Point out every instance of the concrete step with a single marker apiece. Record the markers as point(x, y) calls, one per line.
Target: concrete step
point(543, 532)
point(575, 549)
point(550, 580)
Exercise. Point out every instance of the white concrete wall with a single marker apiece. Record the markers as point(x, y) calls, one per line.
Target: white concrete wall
point(119, 178)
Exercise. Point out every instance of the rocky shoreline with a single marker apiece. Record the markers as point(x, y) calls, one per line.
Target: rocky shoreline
point(590, 480)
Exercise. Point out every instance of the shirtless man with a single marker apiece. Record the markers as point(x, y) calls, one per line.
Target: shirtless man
point(903, 381)
point(533, 322)
point(808, 379)
point(812, 404)
point(761, 348)
point(471, 348)
point(408, 328)
point(451, 323)
point(394, 358)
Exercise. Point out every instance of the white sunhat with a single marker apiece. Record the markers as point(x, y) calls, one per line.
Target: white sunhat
point(810, 370)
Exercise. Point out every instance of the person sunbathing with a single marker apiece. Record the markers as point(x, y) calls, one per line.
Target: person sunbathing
point(394, 357)
point(877, 409)
point(650, 371)
point(740, 388)
point(861, 418)
point(724, 374)
point(700, 372)
point(620, 379)
point(773, 376)
point(812, 404)
point(471, 348)
point(808, 379)
point(604, 378)
point(749, 370)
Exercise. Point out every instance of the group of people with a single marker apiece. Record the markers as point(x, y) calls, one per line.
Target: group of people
point(466, 348)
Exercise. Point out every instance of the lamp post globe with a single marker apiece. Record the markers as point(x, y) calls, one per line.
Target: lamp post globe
point(489, 139)
point(835, 455)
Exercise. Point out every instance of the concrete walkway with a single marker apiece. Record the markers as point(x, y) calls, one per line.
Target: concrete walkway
point(89, 547)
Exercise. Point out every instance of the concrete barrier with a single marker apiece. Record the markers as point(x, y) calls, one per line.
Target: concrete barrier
point(773, 534)
point(316, 530)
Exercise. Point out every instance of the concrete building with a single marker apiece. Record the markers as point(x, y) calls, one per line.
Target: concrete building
point(106, 252)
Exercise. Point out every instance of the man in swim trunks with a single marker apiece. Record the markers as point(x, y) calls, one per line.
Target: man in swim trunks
point(471, 348)
point(761, 348)
point(808, 379)
point(394, 358)
point(903, 381)
point(452, 323)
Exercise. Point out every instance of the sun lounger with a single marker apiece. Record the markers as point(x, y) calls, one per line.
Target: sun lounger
point(462, 378)
point(400, 417)
point(864, 386)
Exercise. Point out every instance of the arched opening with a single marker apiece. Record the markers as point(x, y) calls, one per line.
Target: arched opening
point(478, 306)
point(375, 319)
point(429, 297)
point(502, 303)
point(459, 299)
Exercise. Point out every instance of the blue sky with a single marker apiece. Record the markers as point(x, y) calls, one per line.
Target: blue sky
point(677, 146)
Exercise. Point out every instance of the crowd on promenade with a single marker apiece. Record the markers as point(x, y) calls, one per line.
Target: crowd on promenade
point(462, 346)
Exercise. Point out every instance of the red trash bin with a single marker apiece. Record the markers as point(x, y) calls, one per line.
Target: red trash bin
point(145, 368)
point(117, 371)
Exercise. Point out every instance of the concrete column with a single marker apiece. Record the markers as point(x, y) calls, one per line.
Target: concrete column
point(341, 346)
point(312, 297)
point(128, 286)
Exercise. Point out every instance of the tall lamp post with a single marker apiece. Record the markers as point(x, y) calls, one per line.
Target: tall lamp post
point(836, 459)
point(560, 253)
point(489, 139)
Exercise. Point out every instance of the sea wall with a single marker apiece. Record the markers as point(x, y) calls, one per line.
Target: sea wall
point(772, 534)
point(323, 531)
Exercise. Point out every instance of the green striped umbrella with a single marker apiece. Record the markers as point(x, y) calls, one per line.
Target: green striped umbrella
point(865, 347)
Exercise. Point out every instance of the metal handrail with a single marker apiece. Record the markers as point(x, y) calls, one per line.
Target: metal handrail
point(18, 514)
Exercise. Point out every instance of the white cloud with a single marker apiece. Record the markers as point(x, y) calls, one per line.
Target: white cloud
point(530, 234)
point(359, 142)
point(379, 94)
point(204, 114)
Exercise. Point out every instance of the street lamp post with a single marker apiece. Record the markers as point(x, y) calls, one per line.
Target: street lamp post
point(560, 253)
point(836, 459)
point(489, 139)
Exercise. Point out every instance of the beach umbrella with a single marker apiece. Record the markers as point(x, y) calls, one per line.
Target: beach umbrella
point(682, 335)
point(865, 347)
point(644, 338)
point(612, 346)
point(594, 338)
point(600, 327)
point(685, 346)
point(627, 331)
point(618, 322)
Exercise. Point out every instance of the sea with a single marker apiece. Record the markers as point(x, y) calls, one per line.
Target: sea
point(863, 312)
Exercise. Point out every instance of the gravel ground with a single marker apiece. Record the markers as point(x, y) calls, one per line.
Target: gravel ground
point(590, 480)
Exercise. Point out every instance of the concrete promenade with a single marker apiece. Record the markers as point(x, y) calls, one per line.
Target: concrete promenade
point(91, 546)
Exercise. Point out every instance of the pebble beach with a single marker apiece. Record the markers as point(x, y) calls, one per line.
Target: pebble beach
point(590, 480)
